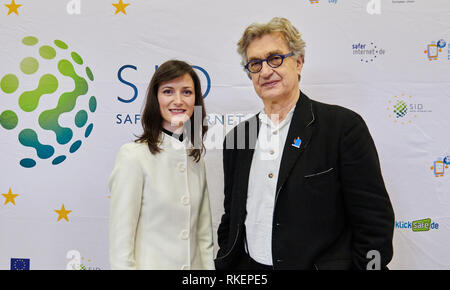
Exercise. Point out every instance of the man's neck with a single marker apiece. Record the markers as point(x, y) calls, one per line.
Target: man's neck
point(279, 109)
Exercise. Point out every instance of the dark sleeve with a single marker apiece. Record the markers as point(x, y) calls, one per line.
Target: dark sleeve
point(367, 203)
point(223, 230)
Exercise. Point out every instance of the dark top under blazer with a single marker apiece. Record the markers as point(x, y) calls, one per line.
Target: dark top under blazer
point(331, 205)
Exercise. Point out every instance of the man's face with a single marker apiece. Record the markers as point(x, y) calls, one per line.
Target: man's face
point(274, 84)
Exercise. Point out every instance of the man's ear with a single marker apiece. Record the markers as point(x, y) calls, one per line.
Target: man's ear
point(299, 65)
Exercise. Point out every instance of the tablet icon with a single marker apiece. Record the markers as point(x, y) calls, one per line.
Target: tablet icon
point(433, 49)
point(439, 168)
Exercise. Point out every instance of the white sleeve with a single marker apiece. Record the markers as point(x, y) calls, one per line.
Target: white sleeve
point(126, 185)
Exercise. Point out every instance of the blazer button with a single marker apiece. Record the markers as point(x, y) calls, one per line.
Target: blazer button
point(181, 167)
point(184, 235)
point(185, 200)
point(270, 175)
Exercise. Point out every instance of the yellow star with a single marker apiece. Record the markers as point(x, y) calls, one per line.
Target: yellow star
point(13, 7)
point(63, 213)
point(10, 197)
point(120, 7)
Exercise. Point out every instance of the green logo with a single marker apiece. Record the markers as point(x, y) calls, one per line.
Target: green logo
point(421, 225)
point(400, 109)
point(62, 88)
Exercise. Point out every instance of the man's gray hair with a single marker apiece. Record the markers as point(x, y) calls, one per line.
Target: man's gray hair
point(282, 25)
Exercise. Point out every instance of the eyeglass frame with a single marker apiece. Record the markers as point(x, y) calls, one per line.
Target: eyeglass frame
point(260, 61)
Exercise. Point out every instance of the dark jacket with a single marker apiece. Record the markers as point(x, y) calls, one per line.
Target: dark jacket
point(331, 205)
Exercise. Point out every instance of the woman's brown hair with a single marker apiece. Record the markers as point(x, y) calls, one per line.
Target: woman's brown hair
point(151, 118)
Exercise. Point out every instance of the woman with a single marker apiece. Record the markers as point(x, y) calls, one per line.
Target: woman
point(160, 213)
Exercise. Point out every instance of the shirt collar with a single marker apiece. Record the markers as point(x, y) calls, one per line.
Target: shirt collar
point(264, 118)
point(176, 136)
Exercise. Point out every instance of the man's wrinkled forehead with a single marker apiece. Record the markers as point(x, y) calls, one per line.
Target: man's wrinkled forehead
point(277, 46)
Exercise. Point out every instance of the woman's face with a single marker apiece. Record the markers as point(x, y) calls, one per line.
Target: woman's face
point(176, 102)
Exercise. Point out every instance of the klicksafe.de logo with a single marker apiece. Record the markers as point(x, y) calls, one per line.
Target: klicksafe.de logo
point(423, 225)
point(47, 89)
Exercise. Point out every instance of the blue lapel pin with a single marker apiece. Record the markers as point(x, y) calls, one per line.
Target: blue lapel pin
point(297, 142)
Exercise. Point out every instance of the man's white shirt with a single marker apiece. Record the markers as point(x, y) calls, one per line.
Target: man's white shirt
point(262, 186)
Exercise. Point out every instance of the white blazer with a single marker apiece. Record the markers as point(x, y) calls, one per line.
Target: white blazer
point(160, 216)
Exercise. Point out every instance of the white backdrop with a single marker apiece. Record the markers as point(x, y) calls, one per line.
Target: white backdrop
point(400, 85)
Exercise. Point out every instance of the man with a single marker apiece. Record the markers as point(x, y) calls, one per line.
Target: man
point(312, 197)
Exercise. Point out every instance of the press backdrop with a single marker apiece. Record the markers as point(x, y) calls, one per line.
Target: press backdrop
point(73, 82)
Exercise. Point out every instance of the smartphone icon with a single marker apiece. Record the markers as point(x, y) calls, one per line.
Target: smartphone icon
point(438, 168)
point(432, 51)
